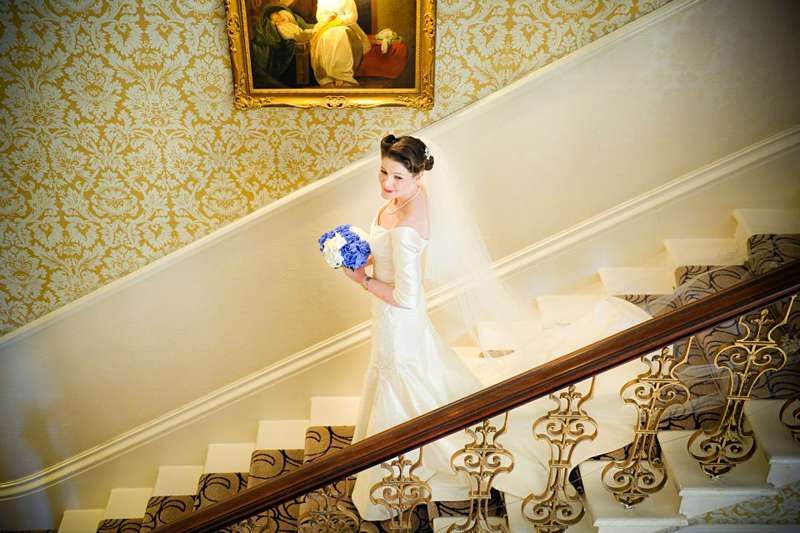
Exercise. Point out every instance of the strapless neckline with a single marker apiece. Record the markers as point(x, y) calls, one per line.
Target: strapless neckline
point(375, 223)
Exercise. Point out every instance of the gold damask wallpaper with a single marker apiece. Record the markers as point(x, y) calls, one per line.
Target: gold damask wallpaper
point(120, 142)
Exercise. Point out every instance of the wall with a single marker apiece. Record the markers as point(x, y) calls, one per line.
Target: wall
point(120, 143)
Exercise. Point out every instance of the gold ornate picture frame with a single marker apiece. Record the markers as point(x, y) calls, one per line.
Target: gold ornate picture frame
point(281, 55)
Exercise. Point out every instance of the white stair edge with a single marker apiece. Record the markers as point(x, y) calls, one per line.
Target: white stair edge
point(127, 503)
point(333, 410)
point(281, 434)
point(177, 480)
point(705, 252)
point(593, 286)
point(740, 528)
point(637, 280)
point(757, 221)
point(556, 309)
point(493, 337)
point(698, 492)
point(657, 512)
point(775, 440)
point(80, 520)
point(229, 457)
point(467, 351)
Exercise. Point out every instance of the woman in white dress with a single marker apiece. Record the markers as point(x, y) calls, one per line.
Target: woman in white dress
point(338, 43)
point(414, 370)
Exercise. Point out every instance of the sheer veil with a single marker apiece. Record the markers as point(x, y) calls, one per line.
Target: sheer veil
point(472, 304)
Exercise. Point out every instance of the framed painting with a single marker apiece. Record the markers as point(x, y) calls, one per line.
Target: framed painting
point(332, 53)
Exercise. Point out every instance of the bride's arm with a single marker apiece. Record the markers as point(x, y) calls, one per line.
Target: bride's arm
point(383, 290)
point(404, 292)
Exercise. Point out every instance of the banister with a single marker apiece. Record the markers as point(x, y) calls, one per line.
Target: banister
point(499, 398)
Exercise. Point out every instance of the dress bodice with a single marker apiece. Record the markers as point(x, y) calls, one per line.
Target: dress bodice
point(397, 259)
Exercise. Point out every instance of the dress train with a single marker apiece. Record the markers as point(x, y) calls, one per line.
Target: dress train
point(412, 370)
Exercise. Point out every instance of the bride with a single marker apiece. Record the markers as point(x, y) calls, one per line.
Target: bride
point(413, 368)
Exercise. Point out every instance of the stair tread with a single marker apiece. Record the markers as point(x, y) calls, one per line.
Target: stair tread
point(177, 479)
point(228, 457)
point(281, 434)
point(775, 438)
point(637, 280)
point(763, 221)
point(268, 465)
point(214, 487)
point(660, 508)
point(700, 493)
point(776, 441)
point(705, 251)
point(162, 510)
point(124, 503)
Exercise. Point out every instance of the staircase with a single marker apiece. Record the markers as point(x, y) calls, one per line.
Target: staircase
point(768, 481)
point(280, 446)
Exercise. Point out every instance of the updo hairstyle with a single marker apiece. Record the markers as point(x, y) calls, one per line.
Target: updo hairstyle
point(408, 151)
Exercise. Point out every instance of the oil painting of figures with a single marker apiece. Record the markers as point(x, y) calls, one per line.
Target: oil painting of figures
point(332, 44)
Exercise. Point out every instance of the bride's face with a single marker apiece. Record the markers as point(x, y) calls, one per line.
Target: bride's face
point(396, 180)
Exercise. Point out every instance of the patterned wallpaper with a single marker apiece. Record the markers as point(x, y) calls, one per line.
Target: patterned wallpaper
point(120, 143)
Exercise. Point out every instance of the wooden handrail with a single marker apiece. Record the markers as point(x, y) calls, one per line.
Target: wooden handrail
point(496, 399)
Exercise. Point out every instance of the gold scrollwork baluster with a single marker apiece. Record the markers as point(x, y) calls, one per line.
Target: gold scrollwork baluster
point(652, 393)
point(721, 448)
point(559, 505)
point(326, 514)
point(790, 417)
point(482, 460)
point(400, 491)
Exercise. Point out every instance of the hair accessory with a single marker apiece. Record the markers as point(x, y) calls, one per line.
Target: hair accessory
point(427, 153)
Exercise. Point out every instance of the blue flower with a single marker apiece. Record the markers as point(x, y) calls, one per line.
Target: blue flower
point(325, 236)
point(355, 252)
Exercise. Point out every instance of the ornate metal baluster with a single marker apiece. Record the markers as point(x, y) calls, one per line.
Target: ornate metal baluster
point(400, 491)
point(790, 417)
point(325, 514)
point(559, 506)
point(482, 459)
point(754, 354)
point(652, 393)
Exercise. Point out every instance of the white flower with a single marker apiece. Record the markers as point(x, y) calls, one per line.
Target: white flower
point(330, 251)
point(360, 232)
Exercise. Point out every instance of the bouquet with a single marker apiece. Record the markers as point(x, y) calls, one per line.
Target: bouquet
point(345, 245)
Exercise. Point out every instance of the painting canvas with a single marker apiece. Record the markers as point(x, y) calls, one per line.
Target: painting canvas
point(332, 53)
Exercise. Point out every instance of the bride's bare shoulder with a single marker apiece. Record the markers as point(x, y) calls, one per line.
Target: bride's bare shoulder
point(417, 216)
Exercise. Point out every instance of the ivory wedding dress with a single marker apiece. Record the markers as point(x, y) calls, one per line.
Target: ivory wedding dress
point(412, 370)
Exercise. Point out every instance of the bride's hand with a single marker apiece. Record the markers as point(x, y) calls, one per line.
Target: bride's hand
point(356, 275)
